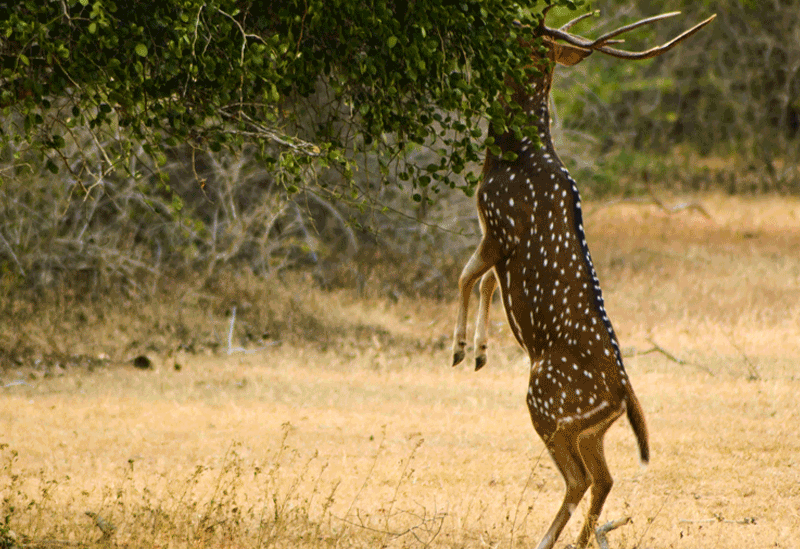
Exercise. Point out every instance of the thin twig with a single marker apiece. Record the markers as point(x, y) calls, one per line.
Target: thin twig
point(436, 519)
point(245, 36)
point(13, 255)
point(402, 477)
point(259, 130)
point(746, 520)
point(651, 520)
point(369, 474)
point(522, 494)
point(753, 374)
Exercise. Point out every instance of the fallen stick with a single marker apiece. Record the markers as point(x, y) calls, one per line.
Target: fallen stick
point(232, 349)
point(658, 348)
point(601, 532)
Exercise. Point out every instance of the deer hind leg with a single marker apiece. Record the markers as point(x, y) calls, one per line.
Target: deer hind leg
point(565, 451)
point(484, 258)
point(487, 287)
point(592, 452)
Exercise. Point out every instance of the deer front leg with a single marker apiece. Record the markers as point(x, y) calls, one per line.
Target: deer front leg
point(481, 261)
point(487, 287)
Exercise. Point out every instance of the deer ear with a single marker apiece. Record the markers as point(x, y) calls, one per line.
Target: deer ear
point(568, 55)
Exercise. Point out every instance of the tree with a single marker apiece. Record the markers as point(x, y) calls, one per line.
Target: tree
point(342, 101)
point(378, 75)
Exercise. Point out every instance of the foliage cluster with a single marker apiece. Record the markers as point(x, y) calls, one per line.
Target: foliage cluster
point(380, 74)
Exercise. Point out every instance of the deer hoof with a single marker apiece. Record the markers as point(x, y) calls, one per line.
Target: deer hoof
point(458, 356)
point(480, 362)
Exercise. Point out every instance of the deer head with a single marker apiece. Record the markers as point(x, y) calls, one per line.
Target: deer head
point(565, 48)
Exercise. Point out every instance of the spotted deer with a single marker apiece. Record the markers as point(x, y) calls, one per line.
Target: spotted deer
point(534, 247)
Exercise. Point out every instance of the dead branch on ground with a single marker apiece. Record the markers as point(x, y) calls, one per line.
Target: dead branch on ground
point(601, 532)
point(653, 200)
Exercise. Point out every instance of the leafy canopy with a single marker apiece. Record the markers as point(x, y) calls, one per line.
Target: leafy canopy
point(314, 83)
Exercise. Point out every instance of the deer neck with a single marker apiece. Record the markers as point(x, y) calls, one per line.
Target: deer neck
point(534, 100)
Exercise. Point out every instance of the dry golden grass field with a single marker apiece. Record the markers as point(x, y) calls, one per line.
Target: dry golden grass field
point(368, 438)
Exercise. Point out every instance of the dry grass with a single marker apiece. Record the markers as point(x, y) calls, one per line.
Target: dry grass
point(371, 440)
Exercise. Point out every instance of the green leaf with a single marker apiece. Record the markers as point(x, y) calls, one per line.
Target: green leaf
point(141, 50)
point(177, 203)
point(391, 42)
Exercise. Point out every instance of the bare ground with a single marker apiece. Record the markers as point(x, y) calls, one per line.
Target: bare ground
point(361, 435)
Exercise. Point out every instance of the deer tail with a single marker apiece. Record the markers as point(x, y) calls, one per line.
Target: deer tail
point(636, 419)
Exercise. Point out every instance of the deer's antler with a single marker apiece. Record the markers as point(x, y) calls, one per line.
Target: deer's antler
point(601, 44)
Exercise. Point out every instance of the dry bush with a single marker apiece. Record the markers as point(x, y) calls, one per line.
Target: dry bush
point(87, 231)
point(60, 332)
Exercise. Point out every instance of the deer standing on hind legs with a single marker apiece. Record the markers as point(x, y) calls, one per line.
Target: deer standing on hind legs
point(534, 248)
